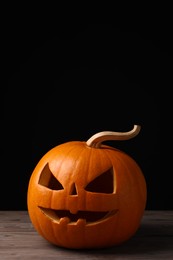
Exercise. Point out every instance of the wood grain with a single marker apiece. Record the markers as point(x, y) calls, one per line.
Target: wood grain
point(19, 240)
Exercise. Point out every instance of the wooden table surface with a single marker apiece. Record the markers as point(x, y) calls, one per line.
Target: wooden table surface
point(19, 240)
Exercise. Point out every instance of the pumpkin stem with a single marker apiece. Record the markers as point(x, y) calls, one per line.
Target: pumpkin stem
point(96, 140)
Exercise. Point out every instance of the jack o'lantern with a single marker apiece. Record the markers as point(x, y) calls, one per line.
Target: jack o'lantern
point(86, 194)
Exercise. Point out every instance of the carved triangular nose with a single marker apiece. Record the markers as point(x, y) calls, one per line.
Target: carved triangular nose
point(73, 190)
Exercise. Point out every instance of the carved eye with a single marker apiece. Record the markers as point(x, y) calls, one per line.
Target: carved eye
point(104, 183)
point(48, 180)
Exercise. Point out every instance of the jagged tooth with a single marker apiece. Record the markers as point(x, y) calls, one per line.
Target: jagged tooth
point(81, 222)
point(64, 221)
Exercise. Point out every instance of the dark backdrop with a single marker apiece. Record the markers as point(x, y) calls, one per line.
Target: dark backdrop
point(72, 82)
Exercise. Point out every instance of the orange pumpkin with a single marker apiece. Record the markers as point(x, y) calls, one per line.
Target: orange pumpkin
point(86, 194)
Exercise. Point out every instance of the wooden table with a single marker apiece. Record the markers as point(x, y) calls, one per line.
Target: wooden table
point(19, 240)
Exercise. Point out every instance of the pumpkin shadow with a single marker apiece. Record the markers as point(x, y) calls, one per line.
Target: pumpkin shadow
point(149, 239)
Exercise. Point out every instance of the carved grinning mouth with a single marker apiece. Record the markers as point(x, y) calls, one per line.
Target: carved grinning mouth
point(87, 217)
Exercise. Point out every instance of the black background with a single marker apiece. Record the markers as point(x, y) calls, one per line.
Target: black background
point(72, 81)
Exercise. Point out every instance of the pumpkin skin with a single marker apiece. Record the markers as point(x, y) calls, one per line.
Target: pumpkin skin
point(86, 197)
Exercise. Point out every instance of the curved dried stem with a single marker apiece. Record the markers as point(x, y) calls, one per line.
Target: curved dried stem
point(96, 140)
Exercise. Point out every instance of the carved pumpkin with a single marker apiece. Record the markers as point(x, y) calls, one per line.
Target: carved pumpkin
point(86, 194)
